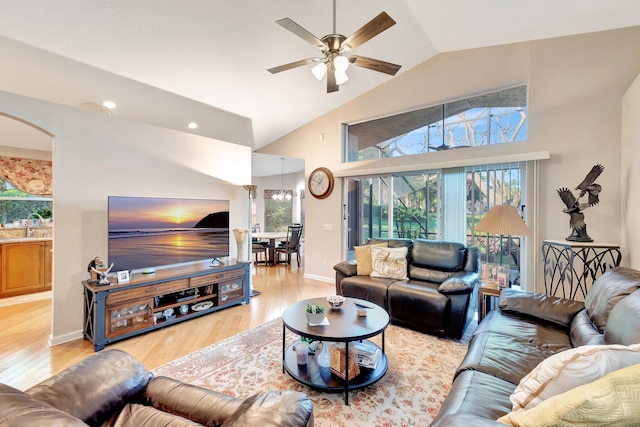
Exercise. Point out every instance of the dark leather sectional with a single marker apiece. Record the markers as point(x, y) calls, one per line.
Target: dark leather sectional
point(437, 298)
point(527, 328)
point(111, 388)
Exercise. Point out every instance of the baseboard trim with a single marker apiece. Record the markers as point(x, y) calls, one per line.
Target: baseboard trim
point(61, 339)
point(319, 278)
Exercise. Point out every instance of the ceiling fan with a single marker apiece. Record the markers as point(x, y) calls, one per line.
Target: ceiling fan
point(334, 63)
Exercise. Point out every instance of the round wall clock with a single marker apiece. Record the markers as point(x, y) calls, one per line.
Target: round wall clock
point(320, 183)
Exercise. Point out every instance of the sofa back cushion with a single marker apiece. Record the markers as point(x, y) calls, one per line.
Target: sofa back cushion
point(623, 325)
point(444, 256)
point(392, 243)
point(607, 291)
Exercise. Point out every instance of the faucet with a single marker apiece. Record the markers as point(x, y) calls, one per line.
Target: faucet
point(30, 227)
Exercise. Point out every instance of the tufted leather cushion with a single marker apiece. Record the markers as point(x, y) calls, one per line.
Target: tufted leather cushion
point(446, 256)
point(607, 291)
point(544, 307)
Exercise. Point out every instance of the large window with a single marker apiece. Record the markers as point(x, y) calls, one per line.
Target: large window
point(493, 118)
point(278, 212)
point(487, 186)
point(16, 205)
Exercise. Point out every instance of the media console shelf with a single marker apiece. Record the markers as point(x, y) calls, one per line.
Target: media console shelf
point(151, 301)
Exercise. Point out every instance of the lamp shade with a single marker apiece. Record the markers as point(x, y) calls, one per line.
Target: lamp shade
point(503, 220)
point(319, 70)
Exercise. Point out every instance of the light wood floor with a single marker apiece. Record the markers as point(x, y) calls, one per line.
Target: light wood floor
point(26, 358)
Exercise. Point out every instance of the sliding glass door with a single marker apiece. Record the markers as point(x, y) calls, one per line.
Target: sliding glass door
point(436, 205)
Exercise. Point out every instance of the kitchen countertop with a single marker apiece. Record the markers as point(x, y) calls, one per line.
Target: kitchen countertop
point(25, 239)
point(19, 234)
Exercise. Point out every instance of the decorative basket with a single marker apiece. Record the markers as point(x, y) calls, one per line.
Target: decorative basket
point(339, 361)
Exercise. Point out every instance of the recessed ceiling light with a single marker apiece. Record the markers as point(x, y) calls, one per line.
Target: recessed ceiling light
point(109, 104)
point(193, 125)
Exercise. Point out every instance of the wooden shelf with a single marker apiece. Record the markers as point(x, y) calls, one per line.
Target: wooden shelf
point(161, 308)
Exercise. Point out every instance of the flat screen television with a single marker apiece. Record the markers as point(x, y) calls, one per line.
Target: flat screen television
point(146, 232)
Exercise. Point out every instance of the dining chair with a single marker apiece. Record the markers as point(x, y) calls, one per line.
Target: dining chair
point(258, 247)
point(291, 245)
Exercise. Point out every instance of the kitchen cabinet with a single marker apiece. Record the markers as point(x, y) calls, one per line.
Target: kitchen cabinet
point(25, 267)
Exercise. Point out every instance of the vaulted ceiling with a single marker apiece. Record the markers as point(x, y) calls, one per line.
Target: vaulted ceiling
point(215, 53)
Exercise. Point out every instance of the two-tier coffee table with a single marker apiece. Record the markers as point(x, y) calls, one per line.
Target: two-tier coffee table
point(344, 326)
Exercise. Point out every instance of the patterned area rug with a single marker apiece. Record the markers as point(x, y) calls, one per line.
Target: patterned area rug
point(420, 371)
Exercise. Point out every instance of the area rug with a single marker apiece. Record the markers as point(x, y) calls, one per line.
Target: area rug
point(420, 372)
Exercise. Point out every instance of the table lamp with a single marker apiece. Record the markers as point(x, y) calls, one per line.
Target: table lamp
point(503, 220)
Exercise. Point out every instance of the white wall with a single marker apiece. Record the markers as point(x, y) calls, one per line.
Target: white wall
point(630, 175)
point(95, 156)
point(575, 89)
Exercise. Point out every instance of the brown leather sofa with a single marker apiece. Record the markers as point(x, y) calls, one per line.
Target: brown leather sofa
point(111, 388)
point(527, 328)
point(439, 292)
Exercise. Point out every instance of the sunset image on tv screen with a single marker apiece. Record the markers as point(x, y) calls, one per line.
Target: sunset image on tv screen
point(148, 232)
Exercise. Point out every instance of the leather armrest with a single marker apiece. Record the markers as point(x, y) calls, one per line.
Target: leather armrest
point(194, 403)
point(541, 306)
point(463, 282)
point(274, 409)
point(96, 387)
point(347, 268)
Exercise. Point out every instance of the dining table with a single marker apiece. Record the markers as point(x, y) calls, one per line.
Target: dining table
point(271, 236)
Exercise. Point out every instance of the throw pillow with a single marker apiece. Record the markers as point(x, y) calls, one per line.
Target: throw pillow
point(571, 368)
point(610, 400)
point(363, 258)
point(389, 262)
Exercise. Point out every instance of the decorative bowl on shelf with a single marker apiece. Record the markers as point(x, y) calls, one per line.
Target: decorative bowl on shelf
point(336, 301)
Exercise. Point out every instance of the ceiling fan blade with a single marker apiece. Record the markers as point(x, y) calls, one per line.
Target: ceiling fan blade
point(332, 86)
point(291, 65)
point(302, 33)
point(375, 64)
point(368, 31)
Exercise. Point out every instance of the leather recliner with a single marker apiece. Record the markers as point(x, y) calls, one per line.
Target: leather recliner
point(111, 388)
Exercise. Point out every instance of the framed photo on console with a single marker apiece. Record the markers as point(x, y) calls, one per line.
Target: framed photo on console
point(123, 277)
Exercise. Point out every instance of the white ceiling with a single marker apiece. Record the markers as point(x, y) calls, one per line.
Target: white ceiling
point(216, 52)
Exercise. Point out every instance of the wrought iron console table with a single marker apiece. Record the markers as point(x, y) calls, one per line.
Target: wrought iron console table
point(570, 268)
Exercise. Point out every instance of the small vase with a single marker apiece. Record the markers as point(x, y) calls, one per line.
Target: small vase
point(324, 358)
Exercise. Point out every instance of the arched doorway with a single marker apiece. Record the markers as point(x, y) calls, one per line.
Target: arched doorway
point(26, 150)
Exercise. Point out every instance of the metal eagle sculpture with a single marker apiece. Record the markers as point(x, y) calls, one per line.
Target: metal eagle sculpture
point(574, 207)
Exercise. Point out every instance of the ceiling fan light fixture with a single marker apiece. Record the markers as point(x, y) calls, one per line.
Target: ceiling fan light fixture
point(319, 70)
point(340, 63)
point(341, 77)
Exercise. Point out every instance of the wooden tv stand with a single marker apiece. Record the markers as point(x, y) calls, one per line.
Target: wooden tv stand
point(151, 301)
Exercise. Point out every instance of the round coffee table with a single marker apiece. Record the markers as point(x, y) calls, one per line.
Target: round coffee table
point(344, 326)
